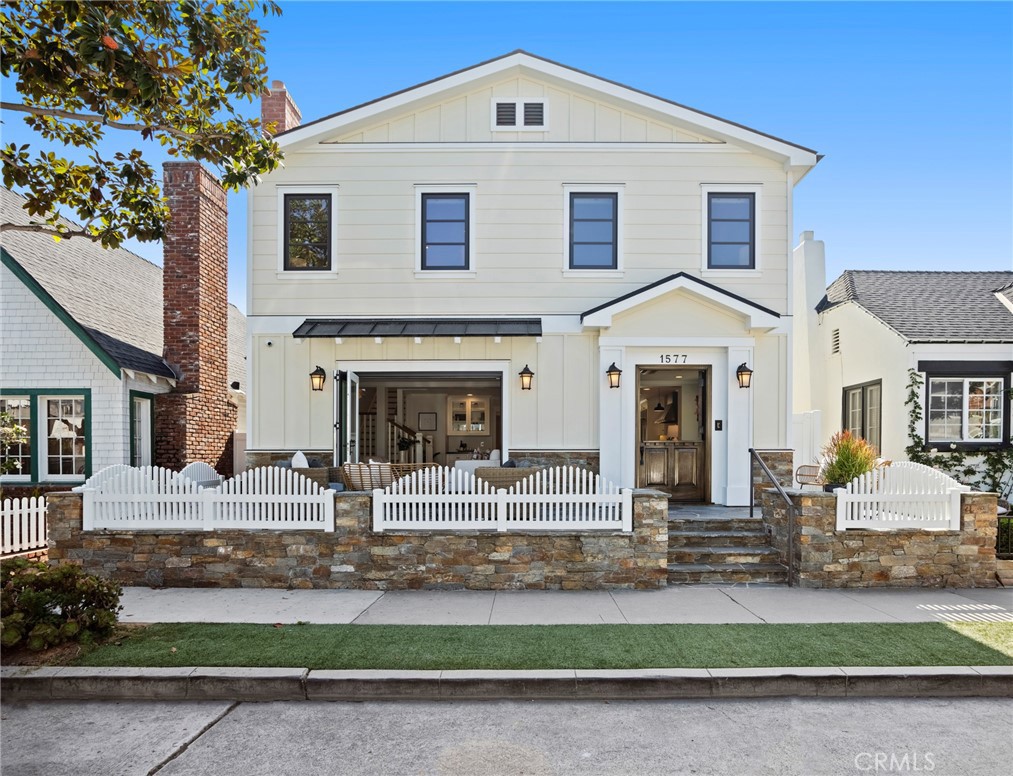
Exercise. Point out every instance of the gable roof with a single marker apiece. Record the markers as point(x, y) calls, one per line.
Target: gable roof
point(722, 128)
point(929, 306)
point(759, 316)
point(113, 295)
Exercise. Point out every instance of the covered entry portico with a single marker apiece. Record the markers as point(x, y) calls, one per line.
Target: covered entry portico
point(684, 322)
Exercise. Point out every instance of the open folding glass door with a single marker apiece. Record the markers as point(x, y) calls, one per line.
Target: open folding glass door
point(346, 418)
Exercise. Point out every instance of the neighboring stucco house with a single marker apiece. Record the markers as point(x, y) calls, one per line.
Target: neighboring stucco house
point(432, 248)
point(85, 365)
point(954, 328)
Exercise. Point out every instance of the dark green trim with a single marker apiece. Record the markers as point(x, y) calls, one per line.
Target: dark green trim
point(60, 312)
point(151, 398)
point(33, 432)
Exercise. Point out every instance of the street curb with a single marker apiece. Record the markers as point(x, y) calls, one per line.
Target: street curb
point(294, 684)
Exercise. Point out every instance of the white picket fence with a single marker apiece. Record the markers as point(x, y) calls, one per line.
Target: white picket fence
point(153, 498)
point(23, 525)
point(565, 498)
point(902, 495)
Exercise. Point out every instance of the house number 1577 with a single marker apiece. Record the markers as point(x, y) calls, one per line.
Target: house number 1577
point(673, 358)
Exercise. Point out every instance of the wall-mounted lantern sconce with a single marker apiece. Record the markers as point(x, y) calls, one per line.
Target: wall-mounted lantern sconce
point(744, 374)
point(614, 373)
point(317, 378)
point(526, 375)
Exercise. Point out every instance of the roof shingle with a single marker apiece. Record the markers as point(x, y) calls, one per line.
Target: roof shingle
point(930, 306)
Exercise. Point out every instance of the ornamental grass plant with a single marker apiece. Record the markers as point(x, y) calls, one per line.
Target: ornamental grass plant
point(845, 457)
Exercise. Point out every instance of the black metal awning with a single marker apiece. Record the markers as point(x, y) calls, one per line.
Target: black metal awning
point(420, 327)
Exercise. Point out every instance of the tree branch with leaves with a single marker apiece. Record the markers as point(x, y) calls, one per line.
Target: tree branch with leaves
point(172, 73)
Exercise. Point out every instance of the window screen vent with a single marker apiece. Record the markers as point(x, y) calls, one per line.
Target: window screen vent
point(534, 114)
point(835, 341)
point(506, 114)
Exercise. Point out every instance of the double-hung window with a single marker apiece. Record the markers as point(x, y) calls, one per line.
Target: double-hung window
point(731, 230)
point(445, 231)
point(966, 409)
point(863, 412)
point(17, 457)
point(593, 239)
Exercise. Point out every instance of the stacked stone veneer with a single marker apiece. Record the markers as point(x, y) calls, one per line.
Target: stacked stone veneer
point(826, 557)
point(780, 463)
point(196, 421)
point(586, 459)
point(355, 557)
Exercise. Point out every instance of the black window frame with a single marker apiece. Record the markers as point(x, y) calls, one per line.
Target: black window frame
point(329, 199)
point(969, 370)
point(711, 196)
point(426, 196)
point(574, 195)
point(862, 388)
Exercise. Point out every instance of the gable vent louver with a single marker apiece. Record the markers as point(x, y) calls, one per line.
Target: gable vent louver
point(506, 114)
point(835, 341)
point(534, 114)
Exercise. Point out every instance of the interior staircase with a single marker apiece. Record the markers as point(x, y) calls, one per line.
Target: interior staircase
point(720, 545)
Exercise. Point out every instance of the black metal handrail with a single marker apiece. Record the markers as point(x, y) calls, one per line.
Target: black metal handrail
point(754, 455)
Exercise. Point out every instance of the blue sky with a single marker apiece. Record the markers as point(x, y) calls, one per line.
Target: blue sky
point(912, 103)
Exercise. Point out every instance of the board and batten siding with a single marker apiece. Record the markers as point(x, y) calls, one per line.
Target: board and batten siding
point(37, 351)
point(561, 414)
point(570, 116)
point(518, 258)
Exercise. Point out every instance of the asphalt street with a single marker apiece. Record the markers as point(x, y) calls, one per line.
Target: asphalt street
point(809, 737)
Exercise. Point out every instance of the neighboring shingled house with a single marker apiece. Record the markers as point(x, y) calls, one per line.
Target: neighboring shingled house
point(955, 328)
point(82, 359)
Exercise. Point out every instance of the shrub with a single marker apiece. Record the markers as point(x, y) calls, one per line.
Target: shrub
point(846, 457)
point(42, 606)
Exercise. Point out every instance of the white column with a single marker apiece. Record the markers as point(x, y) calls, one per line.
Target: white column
point(613, 445)
point(738, 425)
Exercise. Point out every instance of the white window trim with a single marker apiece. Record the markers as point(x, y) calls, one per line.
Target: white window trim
point(519, 114)
point(965, 411)
point(619, 189)
point(42, 455)
point(144, 444)
point(15, 478)
point(284, 189)
point(471, 189)
point(756, 189)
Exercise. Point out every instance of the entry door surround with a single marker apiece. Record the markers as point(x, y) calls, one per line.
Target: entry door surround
point(731, 405)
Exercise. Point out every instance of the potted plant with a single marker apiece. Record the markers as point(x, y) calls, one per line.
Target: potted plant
point(843, 458)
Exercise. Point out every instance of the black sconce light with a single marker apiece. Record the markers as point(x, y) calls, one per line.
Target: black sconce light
point(526, 375)
point(317, 378)
point(614, 373)
point(744, 374)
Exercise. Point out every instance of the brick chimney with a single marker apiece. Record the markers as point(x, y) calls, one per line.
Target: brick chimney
point(277, 107)
point(196, 421)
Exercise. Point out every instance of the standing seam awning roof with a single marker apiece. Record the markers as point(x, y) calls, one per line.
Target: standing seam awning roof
point(420, 327)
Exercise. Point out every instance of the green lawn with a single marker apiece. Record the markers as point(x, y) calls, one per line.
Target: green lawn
point(559, 646)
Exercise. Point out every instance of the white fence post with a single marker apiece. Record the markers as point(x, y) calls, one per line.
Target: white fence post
point(627, 510)
point(501, 509)
point(378, 510)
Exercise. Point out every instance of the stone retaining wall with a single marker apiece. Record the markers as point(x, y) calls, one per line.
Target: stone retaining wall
point(826, 557)
point(355, 557)
point(780, 463)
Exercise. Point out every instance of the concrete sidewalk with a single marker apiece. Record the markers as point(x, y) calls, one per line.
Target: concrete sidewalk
point(691, 604)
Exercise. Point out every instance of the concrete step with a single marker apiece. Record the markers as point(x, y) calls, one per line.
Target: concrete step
point(723, 555)
point(691, 538)
point(725, 573)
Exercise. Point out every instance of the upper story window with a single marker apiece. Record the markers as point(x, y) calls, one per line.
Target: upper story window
point(731, 230)
point(594, 220)
point(518, 115)
point(308, 231)
point(445, 231)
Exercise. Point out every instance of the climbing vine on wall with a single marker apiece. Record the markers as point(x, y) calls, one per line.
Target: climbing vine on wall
point(988, 470)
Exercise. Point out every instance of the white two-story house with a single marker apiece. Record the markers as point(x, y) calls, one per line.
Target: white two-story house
point(525, 257)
